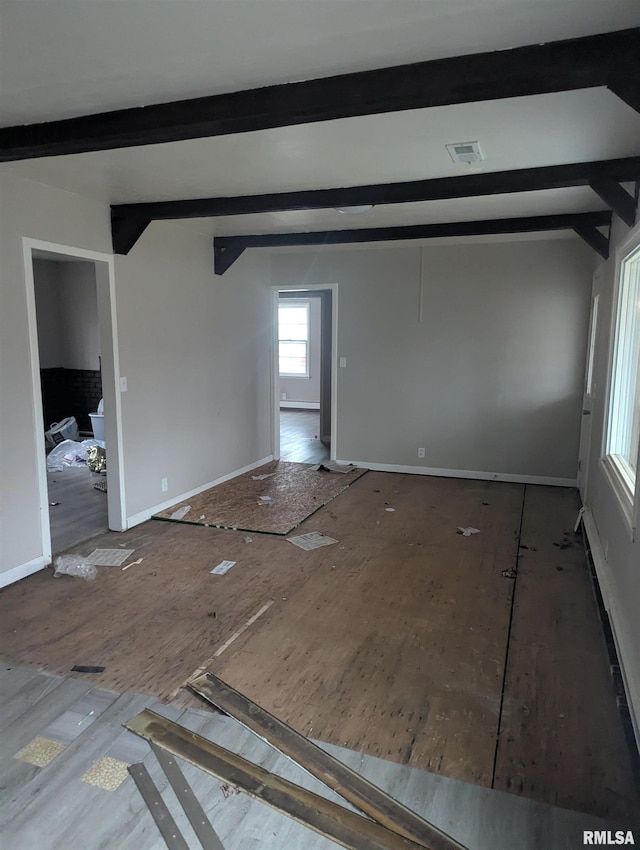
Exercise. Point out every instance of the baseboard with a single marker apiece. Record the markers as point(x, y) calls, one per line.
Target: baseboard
point(24, 570)
point(143, 516)
point(630, 676)
point(464, 473)
point(301, 405)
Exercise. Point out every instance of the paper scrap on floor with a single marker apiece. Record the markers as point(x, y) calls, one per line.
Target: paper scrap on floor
point(332, 466)
point(181, 512)
point(263, 476)
point(266, 500)
point(222, 568)
point(311, 540)
point(467, 532)
point(109, 557)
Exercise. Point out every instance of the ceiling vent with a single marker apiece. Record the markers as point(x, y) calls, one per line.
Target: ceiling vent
point(465, 152)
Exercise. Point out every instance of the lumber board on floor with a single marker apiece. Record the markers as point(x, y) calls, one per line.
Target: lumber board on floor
point(298, 490)
point(561, 739)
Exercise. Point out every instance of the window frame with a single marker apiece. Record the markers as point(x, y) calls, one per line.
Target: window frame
point(625, 487)
point(297, 302)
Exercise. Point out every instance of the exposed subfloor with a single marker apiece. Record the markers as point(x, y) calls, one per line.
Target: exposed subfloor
point(405, 640)
point(81, 798)
point(300, 436)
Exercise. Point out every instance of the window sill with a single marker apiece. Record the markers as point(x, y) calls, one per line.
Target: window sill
point(621, 485)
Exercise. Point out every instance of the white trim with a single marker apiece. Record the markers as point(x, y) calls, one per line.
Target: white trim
point(630, 675)
point(111, 389)
point(301, 405)
point(464, 473)
point(275, 400)
point(620, 486)
point(24, 570)
point(143, 516)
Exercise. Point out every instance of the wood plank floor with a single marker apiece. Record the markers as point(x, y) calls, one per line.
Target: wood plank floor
point(80, 512)
point(53, 808)
point(400, 641)
point(300, 436)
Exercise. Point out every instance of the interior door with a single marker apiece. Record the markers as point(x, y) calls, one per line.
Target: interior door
point(584, 452)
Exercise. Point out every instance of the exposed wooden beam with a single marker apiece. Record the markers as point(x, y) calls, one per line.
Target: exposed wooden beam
point(126, 230)
point(616, 197)
point(530, 224)
point(594, 239)
point(439, 188)
point(598, 60)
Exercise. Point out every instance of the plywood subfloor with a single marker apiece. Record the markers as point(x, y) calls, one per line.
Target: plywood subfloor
point(298, 490)
point(393, 642)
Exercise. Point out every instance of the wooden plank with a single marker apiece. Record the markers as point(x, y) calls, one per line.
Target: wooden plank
point(349, 784)
point(158, 809)
point(341, 825)
point(561, 738)
point(297, 491)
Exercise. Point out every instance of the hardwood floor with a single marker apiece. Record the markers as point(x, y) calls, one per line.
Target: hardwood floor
point(300, 436)
point(404, 640)
point(53, 806)
point(80, 511)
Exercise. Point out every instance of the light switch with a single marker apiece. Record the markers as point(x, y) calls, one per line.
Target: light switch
point(343, 362)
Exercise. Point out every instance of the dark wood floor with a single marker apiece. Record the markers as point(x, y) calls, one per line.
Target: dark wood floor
point(404, 640)
point(300, 436)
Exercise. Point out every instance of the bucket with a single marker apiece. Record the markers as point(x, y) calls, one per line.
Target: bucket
point(66, 429)
point(97, 424)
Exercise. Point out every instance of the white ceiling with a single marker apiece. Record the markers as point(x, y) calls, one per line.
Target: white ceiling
point(69, 57)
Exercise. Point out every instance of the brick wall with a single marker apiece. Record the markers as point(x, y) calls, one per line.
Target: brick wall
point(70, 392)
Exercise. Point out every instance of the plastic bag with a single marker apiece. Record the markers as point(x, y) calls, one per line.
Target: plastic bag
point(70, 453)
point(74, 565)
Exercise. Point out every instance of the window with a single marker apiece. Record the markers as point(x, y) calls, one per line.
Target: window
point(293, 339)
point(623, 426)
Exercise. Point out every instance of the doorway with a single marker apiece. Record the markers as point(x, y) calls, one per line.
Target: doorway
point(304, 380)
point(70, 297)
point(584, 451)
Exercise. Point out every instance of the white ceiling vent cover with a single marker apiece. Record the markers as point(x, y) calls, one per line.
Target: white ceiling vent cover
point(465, 152)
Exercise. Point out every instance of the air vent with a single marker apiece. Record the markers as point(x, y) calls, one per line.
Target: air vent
point(465, 152)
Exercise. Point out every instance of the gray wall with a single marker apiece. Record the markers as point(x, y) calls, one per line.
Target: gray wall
point(622, 576)
point(490, 381)
point(307, 389)
point(67, 314)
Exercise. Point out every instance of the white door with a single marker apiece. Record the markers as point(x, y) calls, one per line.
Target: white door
point(589, 391)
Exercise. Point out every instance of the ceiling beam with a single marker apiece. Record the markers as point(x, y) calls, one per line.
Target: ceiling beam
point(439, 188)
point(617, 198)
point(598, 60)
point(226, 246)
point(594, 238)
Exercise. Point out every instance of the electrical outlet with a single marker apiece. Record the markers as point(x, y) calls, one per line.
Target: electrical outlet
point(123, 385)
point(164, 484)
point(343, 362)
point(420, 452)
point(283, 397)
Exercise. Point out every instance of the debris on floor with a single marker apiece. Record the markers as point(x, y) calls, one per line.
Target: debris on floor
point(332, 466)
point(133, 563)
point(109, 557)
point(467, 532)
point(311, 540)
point(265, 500)
point(106, 773)
point(53, 504)
point(222, 568)
point(75, 565)
point(228, 791)
point(247, 539)
point(39, 752)
point(509, 573)
point(100, 485)
point(263, 476)
point(87, 668)
point(180, 513)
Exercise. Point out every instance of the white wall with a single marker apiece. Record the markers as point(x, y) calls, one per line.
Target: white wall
point(620, 581)
point(41, 212)
point(489, 381)
point(196, 351)
point(303, 389)
point(67, 313)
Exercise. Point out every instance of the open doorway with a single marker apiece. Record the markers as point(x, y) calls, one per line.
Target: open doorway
point(74, 367)
point(304, 380)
